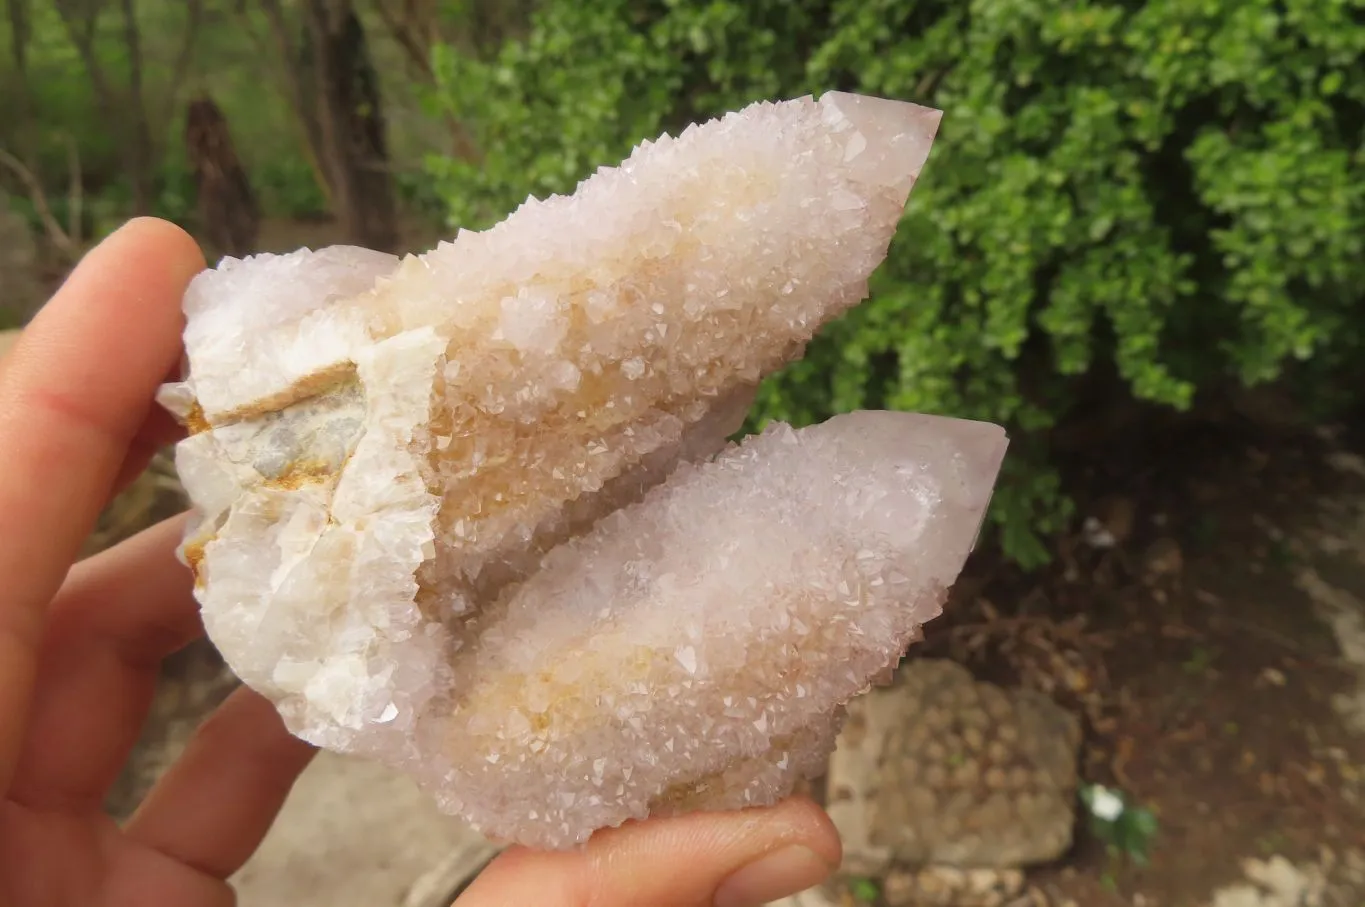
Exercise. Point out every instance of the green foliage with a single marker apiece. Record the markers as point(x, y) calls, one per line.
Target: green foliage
point(286, 185)
point(1127, 831)
point(57, 108)
point(864, 890)
point(584, 85)
point(1170, 189)
point(57, 105)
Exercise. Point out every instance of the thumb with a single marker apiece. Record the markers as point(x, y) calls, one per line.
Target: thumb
point(731, 859)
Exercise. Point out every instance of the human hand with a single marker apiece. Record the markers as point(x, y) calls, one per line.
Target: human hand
point(80, 646)
point(80, 649)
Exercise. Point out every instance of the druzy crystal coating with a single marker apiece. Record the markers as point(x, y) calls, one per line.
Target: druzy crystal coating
point(474, 513)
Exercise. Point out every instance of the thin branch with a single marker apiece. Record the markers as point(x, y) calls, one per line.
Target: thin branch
point(75, 202)
point(418, 52)
point(73, 13)
point(81, 29)
point(417, 42)
point(194, 11)
point(298, 99)
point(20, 32)
point(274, 15)
point(56, 234)
point(20, 29)
point(132, 39)
point(266, 53)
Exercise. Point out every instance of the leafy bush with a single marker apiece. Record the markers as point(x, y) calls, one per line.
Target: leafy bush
point(1172, 189)
point(288, 187)
point(1127, 831)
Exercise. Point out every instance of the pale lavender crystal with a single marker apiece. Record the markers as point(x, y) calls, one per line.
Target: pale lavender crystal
point(694, 649)
point(409, 476)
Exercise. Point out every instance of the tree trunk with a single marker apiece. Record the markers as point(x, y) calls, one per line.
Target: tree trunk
point(480, 30)
point(128, 117)
point(139, 131)
point(353, 146)
point(228, 212)
point(19, 33)
point(287, 58)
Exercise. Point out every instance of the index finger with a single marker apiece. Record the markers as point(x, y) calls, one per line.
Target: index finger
point(73, 392)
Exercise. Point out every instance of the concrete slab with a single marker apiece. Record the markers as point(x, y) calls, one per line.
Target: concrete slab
point(354, 834)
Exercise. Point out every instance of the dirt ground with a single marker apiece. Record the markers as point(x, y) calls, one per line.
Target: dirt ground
point(1200, 618)
point(1198, 624)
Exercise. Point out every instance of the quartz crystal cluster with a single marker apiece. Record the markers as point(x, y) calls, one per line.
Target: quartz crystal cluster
point(473, 513)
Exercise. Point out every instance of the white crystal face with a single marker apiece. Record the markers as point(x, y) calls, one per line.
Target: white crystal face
point(445, 516)
point(695, 648)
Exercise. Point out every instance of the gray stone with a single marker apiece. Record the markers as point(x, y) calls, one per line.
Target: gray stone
point(947, 886)
point(942, 769)
point(354, 833)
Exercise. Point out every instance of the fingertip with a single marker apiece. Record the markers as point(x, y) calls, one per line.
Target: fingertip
point(676, 862)
point(812, 827)
point(158, 250)
point(175, 243)
point(796, 820)
point(141, 271)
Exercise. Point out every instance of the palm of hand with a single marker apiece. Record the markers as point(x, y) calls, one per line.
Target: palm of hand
point(57, 845)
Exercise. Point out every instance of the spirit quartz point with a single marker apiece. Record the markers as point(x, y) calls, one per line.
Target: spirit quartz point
point(473, 513)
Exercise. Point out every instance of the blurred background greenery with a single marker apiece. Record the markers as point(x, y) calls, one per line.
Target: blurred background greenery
point(1130, 204)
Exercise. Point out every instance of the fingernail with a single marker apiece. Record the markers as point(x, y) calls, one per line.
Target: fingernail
point(771, 877)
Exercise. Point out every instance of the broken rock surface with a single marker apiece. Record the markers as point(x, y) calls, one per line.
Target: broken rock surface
point(459, 512)
point(940, 769)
